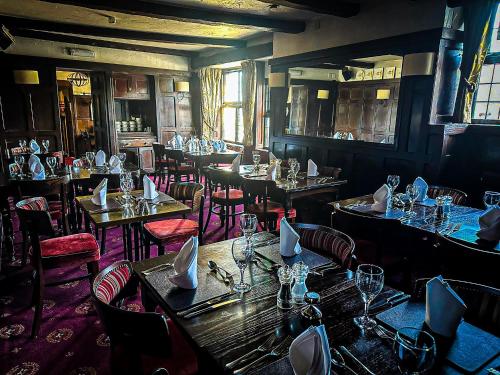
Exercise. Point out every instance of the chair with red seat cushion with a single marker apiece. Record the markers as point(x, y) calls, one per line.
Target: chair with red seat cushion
point(53, 252)
point(178, 167)
point(177, 230)
point(224, 196)
point(161, 163)
point(138, 339)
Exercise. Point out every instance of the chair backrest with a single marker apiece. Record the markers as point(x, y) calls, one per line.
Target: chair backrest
point(222, 178)
point(188, 191)
point(60, 156)
point(328, 242)
point(145, 331)
point(458, 196)
point(330, 171)
point(68, 160)
point(483, 302)
point(113, 180)
point(159, 151)
point(42, 188)
point(175, 156)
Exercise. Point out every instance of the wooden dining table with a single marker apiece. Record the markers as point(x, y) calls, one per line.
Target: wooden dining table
point(202, 159)
point(228, 332)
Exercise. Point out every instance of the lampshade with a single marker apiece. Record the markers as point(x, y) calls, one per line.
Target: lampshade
point(323, 94)
point(383, 94)
point(182, 86)
point(289, 99)
point(418, 64)
point(277, 80)
point(26, 77)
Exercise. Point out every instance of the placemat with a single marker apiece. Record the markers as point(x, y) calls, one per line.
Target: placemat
point(309, 257)
point(471, 349)
point(111, 205)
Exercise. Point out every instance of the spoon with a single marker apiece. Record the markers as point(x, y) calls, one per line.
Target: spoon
point(338, 361)
point(214, 267)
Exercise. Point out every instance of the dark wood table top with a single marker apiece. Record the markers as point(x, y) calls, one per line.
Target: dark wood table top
point(201, 154)
point(466, 218)
point(113, 213)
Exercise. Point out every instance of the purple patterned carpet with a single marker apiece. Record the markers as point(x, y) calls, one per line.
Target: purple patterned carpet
point(71, 340)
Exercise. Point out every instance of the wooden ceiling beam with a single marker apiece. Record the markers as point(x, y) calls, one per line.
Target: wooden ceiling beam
point(238, 54)
point(108, 32)
point(337, 8)
point(189, 14)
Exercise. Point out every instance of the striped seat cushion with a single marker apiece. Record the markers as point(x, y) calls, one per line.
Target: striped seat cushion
point(458, 197)
point(36, 203)
point(190, 191)
point(112, 283)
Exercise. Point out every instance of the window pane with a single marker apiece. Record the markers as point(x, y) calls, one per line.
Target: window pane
point(493, 111)
point(239, 137)
point(229, 124)
point(495, 43)
point(495, 92)
point(483, 93)
point(486, 73)
point(480, 111)
point(232, 87)
point(496, 75)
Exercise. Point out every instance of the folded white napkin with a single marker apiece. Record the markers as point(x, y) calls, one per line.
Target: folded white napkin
point(99, 194)
point(235, 165)
point(34, 147)
point(149, 188)
point(310, 352)
point(380, 199)
point(215, 145)
point(423, 187)
point(186, 265)
point(100, 158)
point(37, 171)
point(489, 223)
point(271, 157)
point(177, 141)
point(33, 159)
point(289, 240)
point(115, 166)
point(444, 309)
point(312, 169)
point(223, 146)
point(271, 173)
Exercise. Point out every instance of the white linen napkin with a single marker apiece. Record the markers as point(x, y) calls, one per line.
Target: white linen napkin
point(223, 146)
point(99, 194)
point(423, 187)
point(380, 199)
point(115, 166)
point(235, 165)
point(289, 240)
point(271, 157)
point(310, 352)
point(271, 173)
point(186, 265)
point(178, 141)
point(312, 169)
point(489, 222)
point(33, 159)
point(149, 188)
point(100, 158)
point(444, 309)
point(34, 147)
point(37, 170)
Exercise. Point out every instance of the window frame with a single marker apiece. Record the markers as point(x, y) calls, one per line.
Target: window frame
point(237, 105)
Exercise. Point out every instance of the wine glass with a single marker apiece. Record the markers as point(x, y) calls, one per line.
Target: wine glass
point(51, 162)
point(256, 160)
point(415, 350)
point(412, 192)
point(90, 155)
point(248, 225)
point(126, 185)
point(22, 144)
point(369, 281)
point(491, 198)
point(242, 255)
point(295, 170)
point(122, 157)
point(393, 182)
point(19, 160)
point(46, 144)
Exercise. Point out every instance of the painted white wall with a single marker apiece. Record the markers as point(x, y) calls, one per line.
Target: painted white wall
point(377, 19)
point(43, 48)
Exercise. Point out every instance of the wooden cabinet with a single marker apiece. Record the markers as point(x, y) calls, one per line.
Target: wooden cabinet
point(131, 86)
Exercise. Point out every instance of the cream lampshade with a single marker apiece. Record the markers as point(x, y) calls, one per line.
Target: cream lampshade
point(182, 86)
point(323, 94)
point(383, 94)
point(277, 80)
point(26, 77)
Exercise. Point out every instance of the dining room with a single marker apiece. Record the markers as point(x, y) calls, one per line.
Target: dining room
point(250, 187)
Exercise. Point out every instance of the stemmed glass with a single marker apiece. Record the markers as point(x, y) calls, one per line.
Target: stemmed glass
point(248, 225)
point(491, 198)
point(126, 185)
point(22, 144)
point(51, 162)
point(90, 157)
point(19, 160)
point(415, 350)
point(295, 171)
point(46, 144)
point(256, 160)
point(369, 281)
point(393, 182)
point(122, 157)
point(412, 192)
point(242, 255)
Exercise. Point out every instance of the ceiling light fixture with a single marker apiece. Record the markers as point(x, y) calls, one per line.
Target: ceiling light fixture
point(78, 79)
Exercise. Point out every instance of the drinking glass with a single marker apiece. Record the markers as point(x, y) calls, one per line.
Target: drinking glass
point(126, 185)
point(256, 160)
point(242, 255)
point(248, 225)
point(393, 182)
point(19, 160)
point(46, 144)
point(122, 157)
point(491, 198)
point(369, 281)
point(295, 170)
point(22, 144)
point(90, 155)
point(51, 162)
point(415, 350)
point(412, 193)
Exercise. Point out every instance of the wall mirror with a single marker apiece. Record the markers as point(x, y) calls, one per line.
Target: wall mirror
point(357, 100)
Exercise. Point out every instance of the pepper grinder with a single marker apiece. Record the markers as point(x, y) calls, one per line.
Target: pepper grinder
point(311, 313)
point(284, 300)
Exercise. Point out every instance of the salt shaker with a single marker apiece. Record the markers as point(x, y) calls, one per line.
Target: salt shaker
point(439, 213)
point(285, 275)
point(299, 289)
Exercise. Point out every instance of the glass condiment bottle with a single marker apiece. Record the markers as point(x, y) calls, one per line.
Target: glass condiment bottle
point(439, 213)
point(299, 289)
point(311, 313)
point(284, 300)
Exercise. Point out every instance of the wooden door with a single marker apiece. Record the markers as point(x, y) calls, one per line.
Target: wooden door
point(166, 117)
point(101, 104)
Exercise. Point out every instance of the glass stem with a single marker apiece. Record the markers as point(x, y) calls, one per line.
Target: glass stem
point(367, 305)
point(242, 273)
point(411, 206)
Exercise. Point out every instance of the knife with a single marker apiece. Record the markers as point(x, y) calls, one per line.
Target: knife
point(212, 308)
point(205, 304)
point(391, 303)
point(386, 300)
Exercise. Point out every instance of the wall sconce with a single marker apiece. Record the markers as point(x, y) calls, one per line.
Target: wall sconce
point(383, 94)
point(277, 79)
point(26, 77)
point(323, 94)
point(418, 64)
point(181, 87)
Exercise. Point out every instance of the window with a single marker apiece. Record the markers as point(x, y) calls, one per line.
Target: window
point(263, 113)
point(232, 119)
point(487, 98)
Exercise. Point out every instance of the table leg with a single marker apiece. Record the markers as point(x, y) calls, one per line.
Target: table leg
point(128, 248)
point(8, 234)
point(136, 242)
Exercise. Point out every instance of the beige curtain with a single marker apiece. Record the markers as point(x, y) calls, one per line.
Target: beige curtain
point(248, 89)
point(211, 100)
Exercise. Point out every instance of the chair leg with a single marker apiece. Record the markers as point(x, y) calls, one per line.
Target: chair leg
point(161, 249)
point(147, 247)
point(103, 241)
point(38, 289)
point(24, 256)
point(93, 269)
point(208, 216)
point(226, 231)
point(233, 216)
point(168, 183)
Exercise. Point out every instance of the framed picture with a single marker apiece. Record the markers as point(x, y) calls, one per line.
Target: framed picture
point(368, 75)
point(378, 73)
point(389, 72)
point(360, 74)
point(398, 72)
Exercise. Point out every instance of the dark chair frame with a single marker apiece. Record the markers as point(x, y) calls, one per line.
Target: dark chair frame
point(175, 158)
point(161, 163)
point(436, 190)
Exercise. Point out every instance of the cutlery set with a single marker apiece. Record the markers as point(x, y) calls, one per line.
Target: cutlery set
point(391, 301)
point(159, 267)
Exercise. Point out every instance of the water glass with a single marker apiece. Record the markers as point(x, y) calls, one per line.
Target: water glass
point(90, 155)
point(415, 351)
point(122, 157)
point(248, 225)
point(126, 185)
point(46, 144)
point(51, 162)
point(242, 255)
point(256, 160)
point(19, 160)
point(295, 170)
point(412, 192)
point(369, 281)
point(491, 198)
point(22, 144)
point(393, 182)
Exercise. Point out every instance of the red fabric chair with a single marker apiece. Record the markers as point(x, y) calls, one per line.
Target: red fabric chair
point(68, 160)
point(177, 230)
point(140, 341)
point(53, 252)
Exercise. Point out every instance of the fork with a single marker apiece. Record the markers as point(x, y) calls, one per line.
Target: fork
point(277, 351)
point(264, 347)
point(383, 333)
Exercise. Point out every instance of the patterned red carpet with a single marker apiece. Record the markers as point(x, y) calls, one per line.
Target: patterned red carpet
point(71, 340)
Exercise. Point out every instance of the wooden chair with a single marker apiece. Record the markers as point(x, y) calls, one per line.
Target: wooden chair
point(161, 163)
point(328, 242)
point(177, 230)
point(53, 252)
point(224, 196)
point(458, 196)
point(177, 167)
point(138, 339)
point(257, 200)
point(483, 302)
